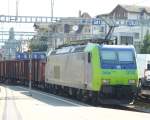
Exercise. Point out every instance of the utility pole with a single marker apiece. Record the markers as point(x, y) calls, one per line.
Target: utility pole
point(30, 71)
point(141, 23)
point(17, 9)
point(50, 25)
point(52, 9)
point(8, 7)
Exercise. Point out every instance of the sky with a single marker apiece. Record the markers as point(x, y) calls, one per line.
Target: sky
point(63, 8)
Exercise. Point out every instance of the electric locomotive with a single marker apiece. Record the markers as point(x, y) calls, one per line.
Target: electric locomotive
point(93, 72)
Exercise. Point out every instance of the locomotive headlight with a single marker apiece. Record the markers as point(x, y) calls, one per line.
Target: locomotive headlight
point(131, 81)
point(105, 82)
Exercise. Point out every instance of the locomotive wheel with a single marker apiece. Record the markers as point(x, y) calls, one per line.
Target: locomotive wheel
point(79, 95)
point(94, 99)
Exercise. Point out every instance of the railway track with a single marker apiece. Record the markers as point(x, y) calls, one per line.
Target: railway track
point(141, 104)
point(136, 107)
point(123, 107)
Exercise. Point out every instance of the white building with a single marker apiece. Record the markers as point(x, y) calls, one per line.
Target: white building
point(70, 29)
point(133, 23)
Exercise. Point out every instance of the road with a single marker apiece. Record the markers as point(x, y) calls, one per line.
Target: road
point(16, 103)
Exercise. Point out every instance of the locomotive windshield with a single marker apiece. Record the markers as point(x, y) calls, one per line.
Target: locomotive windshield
point(108, 56)
point(117, 56)
point(125, 56)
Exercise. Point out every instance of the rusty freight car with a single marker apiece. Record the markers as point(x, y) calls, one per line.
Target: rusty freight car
point(17, 71)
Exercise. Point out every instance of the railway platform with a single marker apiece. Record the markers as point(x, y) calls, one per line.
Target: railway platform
point(17, 103)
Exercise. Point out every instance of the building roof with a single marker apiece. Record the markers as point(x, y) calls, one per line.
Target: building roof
point(85, 15)
point(134, 8)
point(129, 8)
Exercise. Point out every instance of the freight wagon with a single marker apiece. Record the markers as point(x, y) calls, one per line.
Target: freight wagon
point(17, 72)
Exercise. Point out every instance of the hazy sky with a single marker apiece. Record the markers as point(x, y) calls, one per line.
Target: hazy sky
point(63, 8)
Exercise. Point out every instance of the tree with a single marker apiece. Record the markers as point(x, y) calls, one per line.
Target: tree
point(146, 43)
point(39, 44)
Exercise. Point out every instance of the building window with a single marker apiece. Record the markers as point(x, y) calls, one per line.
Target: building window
point(136, 35)
point(126, 40)
point(89, 30)
point(85, 30)
point(94, 28)
point(101, 29)
point(124, 14)
point(66, 28)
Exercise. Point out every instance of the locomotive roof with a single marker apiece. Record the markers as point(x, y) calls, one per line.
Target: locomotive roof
point(81, 48)
point(118, 46)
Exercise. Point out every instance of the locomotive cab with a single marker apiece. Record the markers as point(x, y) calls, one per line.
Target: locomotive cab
point(119, 77)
